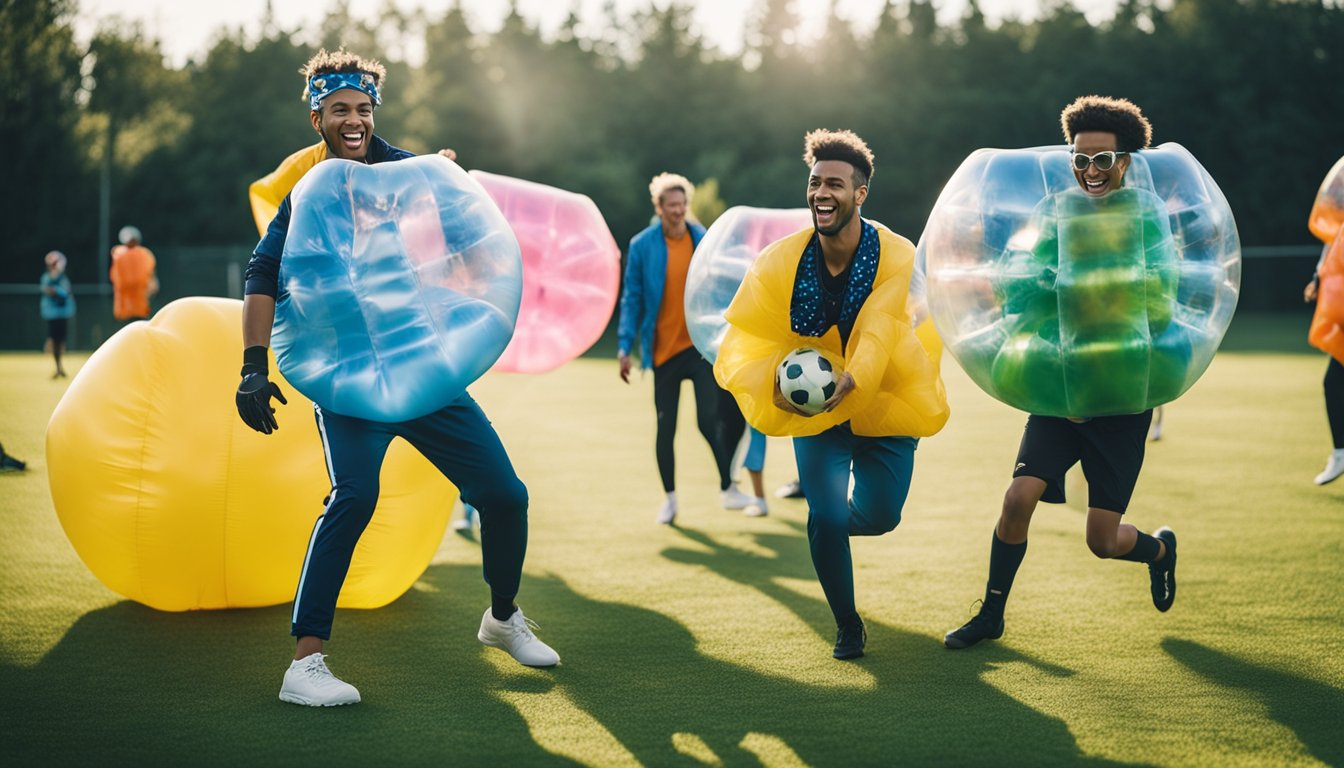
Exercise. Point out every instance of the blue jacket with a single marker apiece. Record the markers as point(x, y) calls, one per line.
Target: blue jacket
point(642, 292)
point(61, 305)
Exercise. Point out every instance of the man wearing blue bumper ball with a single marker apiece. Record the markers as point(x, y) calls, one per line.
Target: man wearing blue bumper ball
point(1102, 133)
point(343, 91)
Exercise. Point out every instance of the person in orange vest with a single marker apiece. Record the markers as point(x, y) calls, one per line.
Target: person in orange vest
point(132, 275)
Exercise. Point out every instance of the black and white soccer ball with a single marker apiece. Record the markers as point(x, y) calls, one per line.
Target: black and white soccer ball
point(806, 379)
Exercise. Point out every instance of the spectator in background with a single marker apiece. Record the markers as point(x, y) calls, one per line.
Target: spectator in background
point(132, 274)
point(58, 306)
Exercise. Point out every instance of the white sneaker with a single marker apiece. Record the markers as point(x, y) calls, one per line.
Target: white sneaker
point(515, 636)
point(756, 508)
point(735, 499)
point(1333, 468)
point(668, 513)
point(310, 683)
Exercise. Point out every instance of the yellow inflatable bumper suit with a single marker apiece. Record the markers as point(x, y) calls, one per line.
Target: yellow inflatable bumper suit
point(898, 390)
point(173, 502)
point(269, 191)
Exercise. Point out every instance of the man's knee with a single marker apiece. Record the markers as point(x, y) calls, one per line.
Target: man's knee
point(357, 499)
point(874, 521)
point(1101, 545)
point(1019, 502)
point(508, 497)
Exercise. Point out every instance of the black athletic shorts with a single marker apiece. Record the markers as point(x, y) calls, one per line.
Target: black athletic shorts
point(57, 329)
point(1110, 448)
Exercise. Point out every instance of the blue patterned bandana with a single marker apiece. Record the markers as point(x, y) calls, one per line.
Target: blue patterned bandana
point(807, 312)
point(323, 85)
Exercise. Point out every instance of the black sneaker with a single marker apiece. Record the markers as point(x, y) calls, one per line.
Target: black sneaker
point(849, 640)
point(10, 464)
point(985, 626)
point(1162, 573)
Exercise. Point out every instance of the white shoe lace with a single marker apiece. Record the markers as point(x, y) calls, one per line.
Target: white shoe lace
point(316, 670)
point(525, 629)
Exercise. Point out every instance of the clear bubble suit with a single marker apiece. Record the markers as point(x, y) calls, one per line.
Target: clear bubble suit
point(571, 272)
point(1063, 304)
point(1327, 214)
point(721, 261)
point(399, 287)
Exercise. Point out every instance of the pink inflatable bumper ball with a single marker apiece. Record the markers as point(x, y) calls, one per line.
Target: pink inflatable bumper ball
point(571, 272)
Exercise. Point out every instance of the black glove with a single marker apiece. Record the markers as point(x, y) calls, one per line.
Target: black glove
point(255, 393)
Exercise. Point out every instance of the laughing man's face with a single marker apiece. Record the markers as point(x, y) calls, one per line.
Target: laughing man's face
point(345, 123)
point(1094, 181)
point(832, 196)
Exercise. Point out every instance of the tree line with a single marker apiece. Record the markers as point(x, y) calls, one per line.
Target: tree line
point(1253, 88)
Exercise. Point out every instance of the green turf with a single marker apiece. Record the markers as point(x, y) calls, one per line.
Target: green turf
point(710, 643)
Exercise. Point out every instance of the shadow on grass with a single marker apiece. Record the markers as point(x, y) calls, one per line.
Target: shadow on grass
point(131, 685)
point(929, 705)
point(1311, 709)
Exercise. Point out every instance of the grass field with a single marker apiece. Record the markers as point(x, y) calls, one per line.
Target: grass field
point(709, 643)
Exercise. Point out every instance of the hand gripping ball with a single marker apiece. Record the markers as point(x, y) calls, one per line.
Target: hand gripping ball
point(1063, 304)
point(571, 272)
point(720, 263)
point(399, 286)
point(171, 501)
point(1327, 215)
point(806, 379)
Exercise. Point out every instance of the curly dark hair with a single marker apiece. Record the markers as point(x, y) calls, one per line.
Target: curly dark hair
point(325, 62)
point(824, 144)
point(1121, 117)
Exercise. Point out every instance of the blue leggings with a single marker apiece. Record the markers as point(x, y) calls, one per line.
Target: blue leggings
point(882, 467)
point(457, 439)
point(754, 460)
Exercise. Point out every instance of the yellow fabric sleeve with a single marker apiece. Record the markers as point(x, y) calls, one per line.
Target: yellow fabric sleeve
point(897, 391)
point(269, 191)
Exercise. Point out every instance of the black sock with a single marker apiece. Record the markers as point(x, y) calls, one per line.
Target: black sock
point(1144, 551)
point(1004, 558)
point(501, 607)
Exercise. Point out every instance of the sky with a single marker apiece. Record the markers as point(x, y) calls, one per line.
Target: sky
point(187, 28)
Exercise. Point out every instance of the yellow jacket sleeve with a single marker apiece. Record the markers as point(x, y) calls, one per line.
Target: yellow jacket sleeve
point(897, 391)
point(269, 191)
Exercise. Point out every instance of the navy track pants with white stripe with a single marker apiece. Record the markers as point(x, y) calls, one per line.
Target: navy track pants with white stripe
point(457, 439)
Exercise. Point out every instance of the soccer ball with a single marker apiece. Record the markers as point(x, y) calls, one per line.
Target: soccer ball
point(806, 379)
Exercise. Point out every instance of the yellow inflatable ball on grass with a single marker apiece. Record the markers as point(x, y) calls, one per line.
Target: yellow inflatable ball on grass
point(171, 501)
